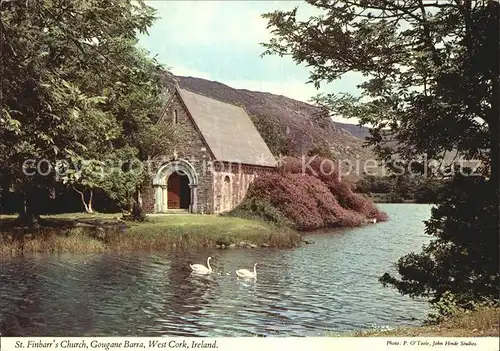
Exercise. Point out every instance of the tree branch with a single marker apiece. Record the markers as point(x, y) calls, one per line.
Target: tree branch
point(428, 37)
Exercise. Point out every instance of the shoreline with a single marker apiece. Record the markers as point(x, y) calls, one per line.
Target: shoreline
point(483, 322)
point(90, 233)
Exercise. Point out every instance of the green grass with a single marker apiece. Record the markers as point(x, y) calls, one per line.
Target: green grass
point(69, 216)
point(205, 230)
point(84, 215)
point(482, 322)
point(104, 232)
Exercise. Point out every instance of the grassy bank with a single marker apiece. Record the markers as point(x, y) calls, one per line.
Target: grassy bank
point(483, 322)
point(104, 232)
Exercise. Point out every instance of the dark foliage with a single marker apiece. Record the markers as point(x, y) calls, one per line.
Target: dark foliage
point(403, 188)
point(446, 99)
point(463, 259)
point(254, 208)
point(136, 215)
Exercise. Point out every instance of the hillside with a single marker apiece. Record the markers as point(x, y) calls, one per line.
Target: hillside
point(301, 126)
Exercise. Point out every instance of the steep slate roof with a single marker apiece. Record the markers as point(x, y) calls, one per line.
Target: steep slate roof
point(228, 130)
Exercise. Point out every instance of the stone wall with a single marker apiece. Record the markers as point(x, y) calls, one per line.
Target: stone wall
point(192, 148)
point(221, 185)
point(231, 182)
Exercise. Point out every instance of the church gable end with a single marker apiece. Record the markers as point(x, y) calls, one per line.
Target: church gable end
point(190, 141)
point(189, 146)
point(217, 154)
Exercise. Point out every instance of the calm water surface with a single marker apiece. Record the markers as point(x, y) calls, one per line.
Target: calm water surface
point(330, 285)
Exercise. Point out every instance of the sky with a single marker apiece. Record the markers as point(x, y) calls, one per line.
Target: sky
point(220, 41)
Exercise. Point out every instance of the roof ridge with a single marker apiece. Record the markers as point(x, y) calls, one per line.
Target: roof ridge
point(211, 98)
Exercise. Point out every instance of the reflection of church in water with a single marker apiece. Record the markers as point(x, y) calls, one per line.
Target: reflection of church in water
point(219, 153)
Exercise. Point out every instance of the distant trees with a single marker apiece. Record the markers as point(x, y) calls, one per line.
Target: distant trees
point(402, 188)
point(76, 93)
point(432, 86)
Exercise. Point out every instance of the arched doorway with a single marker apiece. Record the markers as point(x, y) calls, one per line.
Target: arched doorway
point(178, 191)
point(175, 187)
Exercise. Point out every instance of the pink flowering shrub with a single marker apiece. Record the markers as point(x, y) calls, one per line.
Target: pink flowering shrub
point(286, 195)
point(319, 167)
point(357, 203)
point(308, 198)
point(327, 172)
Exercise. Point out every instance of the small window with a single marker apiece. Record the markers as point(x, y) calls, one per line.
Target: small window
point(226, 179)
point(175, 117)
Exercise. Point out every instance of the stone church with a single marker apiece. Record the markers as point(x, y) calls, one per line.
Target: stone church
point(219, 152)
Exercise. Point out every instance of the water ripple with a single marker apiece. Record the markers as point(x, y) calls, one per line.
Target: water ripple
point(329, 286)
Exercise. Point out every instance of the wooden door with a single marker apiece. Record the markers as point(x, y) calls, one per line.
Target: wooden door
point(174, 187)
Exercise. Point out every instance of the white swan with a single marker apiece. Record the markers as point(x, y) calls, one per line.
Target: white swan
point(245, 273)
point(201, 269)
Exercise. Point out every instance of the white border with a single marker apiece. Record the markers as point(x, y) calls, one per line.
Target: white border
point(244, 343)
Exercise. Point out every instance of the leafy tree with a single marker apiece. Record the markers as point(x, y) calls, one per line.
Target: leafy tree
point(404, 186)
point(418, 188)
point(432, 86)
point(75, 87)
point(374, 184)
point(429, 191)
point(271, 132)
point(280, 142)
point(321, 149)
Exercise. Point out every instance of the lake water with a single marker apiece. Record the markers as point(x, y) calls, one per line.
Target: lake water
point(329, 286)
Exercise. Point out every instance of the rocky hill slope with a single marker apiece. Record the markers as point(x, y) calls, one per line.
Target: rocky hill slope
point(303, 127)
